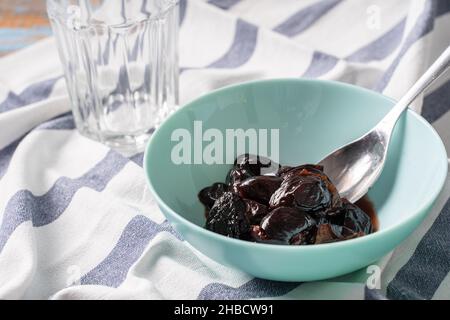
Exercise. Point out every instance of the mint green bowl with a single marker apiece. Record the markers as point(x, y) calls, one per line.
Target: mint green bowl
point(314, 117)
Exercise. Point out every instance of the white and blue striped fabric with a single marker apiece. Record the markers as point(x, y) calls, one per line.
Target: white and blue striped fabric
point(77, 221)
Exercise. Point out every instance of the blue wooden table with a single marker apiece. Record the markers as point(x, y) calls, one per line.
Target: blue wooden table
point(22, 22)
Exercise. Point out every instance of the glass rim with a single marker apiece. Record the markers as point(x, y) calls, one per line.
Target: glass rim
point(56, 10)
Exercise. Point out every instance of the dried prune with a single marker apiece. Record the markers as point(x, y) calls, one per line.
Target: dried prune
point(259, 188)
point(210, 194)
point(228, 216)
point(306, 192)
point(255, 211)
point(258, 165)
point(284, 223)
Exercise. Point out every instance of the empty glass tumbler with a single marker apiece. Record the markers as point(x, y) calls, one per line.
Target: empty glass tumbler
point(120, 62)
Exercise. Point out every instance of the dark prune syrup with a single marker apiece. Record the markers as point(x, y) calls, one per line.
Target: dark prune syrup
point(263, 201)
point(366, 205)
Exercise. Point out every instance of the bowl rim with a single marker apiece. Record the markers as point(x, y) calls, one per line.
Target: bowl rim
point(419, 213)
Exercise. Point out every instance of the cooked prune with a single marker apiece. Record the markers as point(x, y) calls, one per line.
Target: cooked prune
point(327, 232)
point(286, 171)
point(264, 202)
point(308, 193)
point(210, 194)
point(228, 216)
point(258, 165)
point(352, 219)
point(344, 223)
point(258, 235)
point(283, 170)
point(307, 236)
point(255, 211)
point(302, 238)
point(366, 205)
point(283, 223)
point(236, 175)
point(314, 170)
point(259, 188)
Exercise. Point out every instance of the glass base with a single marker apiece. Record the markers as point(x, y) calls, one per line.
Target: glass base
point(126, 144)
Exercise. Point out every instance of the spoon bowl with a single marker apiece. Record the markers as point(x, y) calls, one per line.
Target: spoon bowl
point(356, 166)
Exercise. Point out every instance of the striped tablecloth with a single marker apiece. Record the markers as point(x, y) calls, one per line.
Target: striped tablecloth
point(77, 220)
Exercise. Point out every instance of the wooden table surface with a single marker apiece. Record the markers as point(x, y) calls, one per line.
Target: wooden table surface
point(22, 22)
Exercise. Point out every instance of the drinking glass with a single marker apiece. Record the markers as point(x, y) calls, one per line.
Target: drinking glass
point(120, 61)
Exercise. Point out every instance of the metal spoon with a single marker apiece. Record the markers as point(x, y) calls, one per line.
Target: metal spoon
point(355, 167)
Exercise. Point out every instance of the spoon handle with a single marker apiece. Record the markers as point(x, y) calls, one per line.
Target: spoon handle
point(437, 68)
